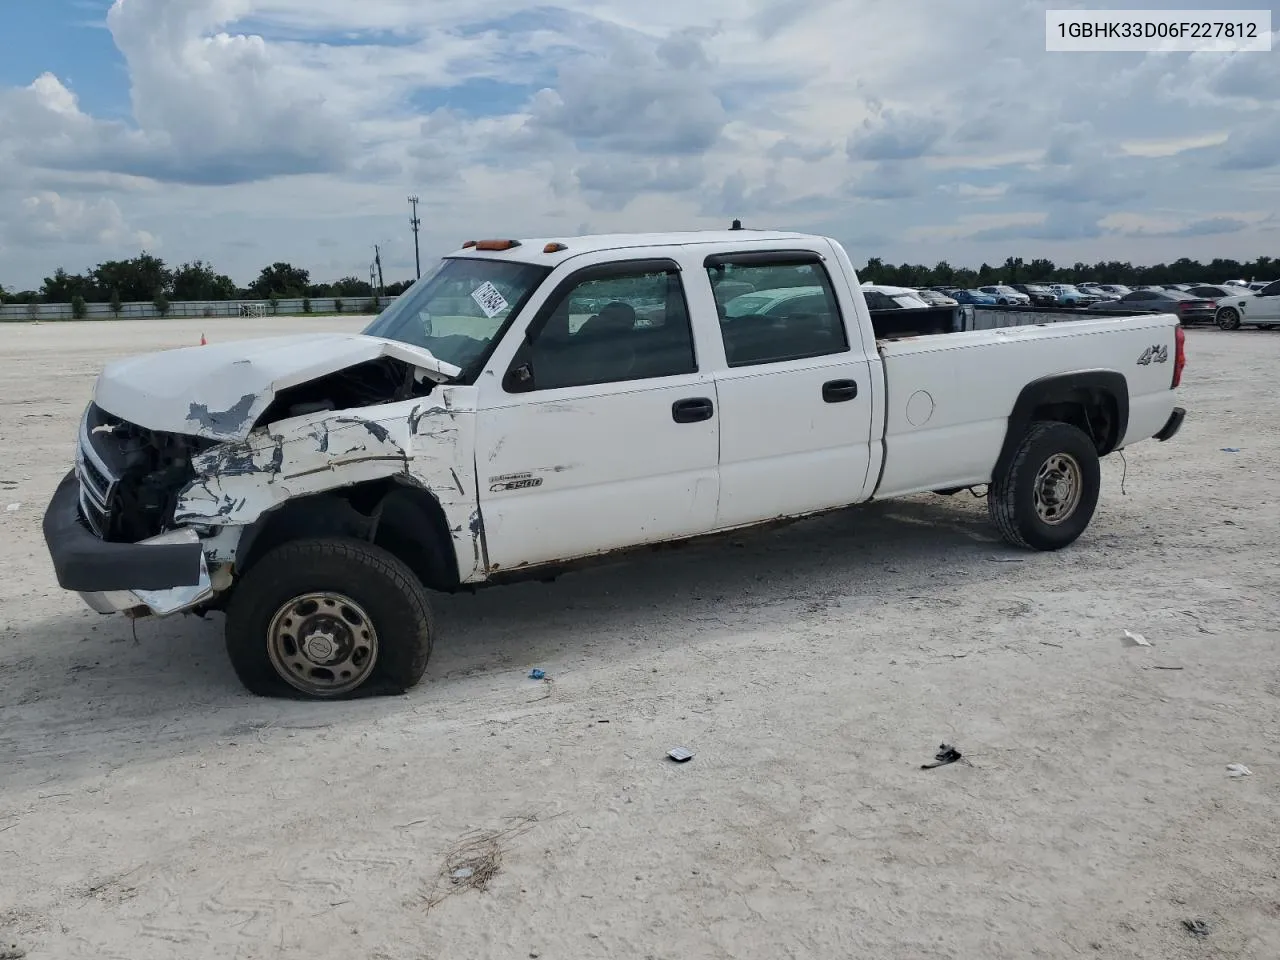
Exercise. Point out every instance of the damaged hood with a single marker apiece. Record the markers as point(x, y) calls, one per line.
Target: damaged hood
point(219, 391)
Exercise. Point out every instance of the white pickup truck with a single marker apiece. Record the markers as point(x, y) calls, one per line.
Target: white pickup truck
point(529, 405)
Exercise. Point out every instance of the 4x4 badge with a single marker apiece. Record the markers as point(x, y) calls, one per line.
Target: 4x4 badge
point(1156, 354)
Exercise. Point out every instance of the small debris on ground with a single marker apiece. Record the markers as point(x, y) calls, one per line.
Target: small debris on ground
point(1238, 770)
point(463, 873)
point(1005, 560)
point(680, 755)
point(1230, 449)
point(12, 952)
point(1136, 639)
point(13, 507)
point(537, 674)
point(1197, 928)
point(946, 754)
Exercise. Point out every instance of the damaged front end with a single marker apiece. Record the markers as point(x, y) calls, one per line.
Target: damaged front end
point(167, 479)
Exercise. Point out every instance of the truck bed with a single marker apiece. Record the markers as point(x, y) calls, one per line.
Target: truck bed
point(949, 394)
point(903, 324)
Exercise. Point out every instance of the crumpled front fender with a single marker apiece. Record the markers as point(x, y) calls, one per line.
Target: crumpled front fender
point(427, 442)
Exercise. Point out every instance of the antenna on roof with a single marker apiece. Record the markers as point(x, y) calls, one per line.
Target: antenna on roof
point(737, 225)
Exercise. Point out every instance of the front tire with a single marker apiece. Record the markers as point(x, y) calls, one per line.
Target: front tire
point(1046, 496)
point(329, 619)
point(1228, 318)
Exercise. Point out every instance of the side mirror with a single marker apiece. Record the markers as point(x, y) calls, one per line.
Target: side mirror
point(519, 379)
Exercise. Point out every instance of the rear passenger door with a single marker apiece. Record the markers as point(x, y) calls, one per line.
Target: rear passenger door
point(795, 391)
point(597, 431)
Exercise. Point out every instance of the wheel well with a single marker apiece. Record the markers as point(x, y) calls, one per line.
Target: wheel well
point(406, 521)
point(1094, 412)
point(1096, 402)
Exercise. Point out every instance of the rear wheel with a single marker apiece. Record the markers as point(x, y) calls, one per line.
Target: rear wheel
point(1229, 318)
point(329, 620)
point(1046, 495)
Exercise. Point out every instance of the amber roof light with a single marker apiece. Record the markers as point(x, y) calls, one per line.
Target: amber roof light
point(554, 248)
point(491, 244)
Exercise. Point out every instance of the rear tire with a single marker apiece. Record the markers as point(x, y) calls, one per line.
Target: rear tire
point(329, 619)
point(1228, 318)
point(1046, 496)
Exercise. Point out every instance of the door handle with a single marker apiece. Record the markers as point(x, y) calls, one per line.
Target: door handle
point(693, 410)
point(838, 391)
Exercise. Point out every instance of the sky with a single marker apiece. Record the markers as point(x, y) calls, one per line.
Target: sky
point(243, 132)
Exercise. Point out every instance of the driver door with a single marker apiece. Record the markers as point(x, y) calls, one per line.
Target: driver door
point(600, 432)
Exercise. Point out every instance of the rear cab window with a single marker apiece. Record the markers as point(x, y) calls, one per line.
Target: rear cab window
point(775, 306)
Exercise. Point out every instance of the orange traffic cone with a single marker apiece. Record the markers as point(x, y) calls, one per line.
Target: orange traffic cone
point(203, 341)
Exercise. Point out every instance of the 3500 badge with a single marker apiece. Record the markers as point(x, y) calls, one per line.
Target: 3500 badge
point(517, 481)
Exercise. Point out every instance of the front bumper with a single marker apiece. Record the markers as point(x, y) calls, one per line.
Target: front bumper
point(163, 575)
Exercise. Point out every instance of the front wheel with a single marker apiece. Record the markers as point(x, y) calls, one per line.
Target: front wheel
point(1046, 495)
point(329, 619)
point(1229, 318)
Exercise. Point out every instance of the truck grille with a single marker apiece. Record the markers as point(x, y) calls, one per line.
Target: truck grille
point(97, 484)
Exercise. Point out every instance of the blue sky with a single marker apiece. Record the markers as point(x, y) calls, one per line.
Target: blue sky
point(247, 131)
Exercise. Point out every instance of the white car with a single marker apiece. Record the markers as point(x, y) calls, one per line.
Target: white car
point(881, 297)
point(509, 418)
point(1258, 309)
point(1007, 295)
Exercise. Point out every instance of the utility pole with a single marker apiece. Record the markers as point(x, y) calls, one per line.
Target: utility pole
point(416, 223)
point(377, 259)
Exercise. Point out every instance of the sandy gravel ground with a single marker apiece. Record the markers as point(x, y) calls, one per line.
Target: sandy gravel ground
point(151, 809)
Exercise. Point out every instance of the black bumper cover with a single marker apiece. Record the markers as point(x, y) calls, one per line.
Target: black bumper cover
point(87, 564)
point(1174, 424)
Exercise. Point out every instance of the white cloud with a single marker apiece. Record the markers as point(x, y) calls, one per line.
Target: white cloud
point(47, 219)
point(268, 129)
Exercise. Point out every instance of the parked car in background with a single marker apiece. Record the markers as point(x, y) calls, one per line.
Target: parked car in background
point(974, 298)
point(1114, 290)
point(1257, 285)
point(1213, 291)
point(768, 303)
point(935, 299)
point(1006, 295)
point(1187, 308)
point(1041, 295)
point(880, 297)
point(1260, 309)
point(1071, 296)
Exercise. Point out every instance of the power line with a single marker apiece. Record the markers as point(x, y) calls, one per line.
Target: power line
point(416, 223)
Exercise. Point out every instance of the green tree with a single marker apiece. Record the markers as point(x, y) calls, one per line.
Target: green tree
point(136, 280)
point(64, 287)
point(199, 281)
point(161, 303)
point(352, 287)
point(274, 299)
point(78, 307)
point(282, 279)
point(116, 304)
point(337, 305)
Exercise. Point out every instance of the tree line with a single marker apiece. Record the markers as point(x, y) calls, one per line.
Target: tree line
point(147, 278)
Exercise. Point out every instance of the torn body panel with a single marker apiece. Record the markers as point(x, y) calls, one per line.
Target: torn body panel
point(424, 442)
point(220, 391)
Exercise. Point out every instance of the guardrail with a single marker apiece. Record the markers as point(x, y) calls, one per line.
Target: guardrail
point(17, 312)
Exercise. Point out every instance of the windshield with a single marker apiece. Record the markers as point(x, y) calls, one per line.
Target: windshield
point(458, 310)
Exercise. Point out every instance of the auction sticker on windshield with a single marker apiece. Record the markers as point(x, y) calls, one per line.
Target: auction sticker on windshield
point(489, 299)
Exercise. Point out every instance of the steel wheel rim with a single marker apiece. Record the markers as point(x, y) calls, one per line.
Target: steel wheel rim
point(323, 644)
point(1058, 488)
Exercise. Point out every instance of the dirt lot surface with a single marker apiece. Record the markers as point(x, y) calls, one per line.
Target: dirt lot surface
point(149, 808)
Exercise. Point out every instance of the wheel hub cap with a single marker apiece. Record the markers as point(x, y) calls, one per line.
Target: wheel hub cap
point(323, 644)
point(1058, 488)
